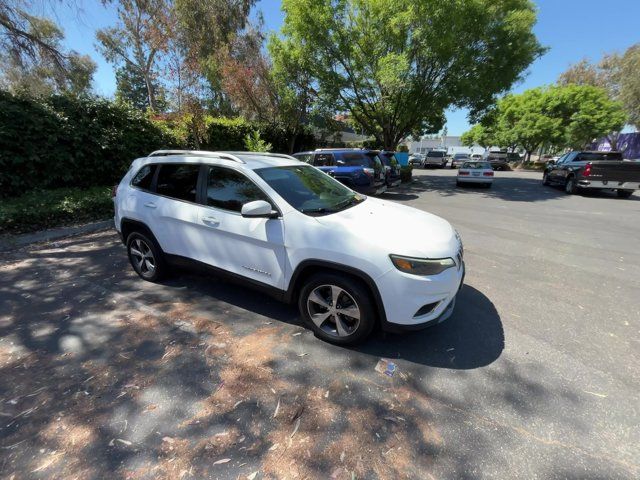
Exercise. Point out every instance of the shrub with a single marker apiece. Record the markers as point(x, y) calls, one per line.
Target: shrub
point(406, 173)
point(61, 141)
point(253, 143)
point(41, 209)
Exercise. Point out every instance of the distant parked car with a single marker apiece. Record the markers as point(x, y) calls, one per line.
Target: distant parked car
point(576, 171)
point(513, 157)
point(498, 160)
point(435, 158)
point(476, 156)
point(475, 172)
point(392, 167)
point(416, 159)
point(359, 169)
point(459, 158)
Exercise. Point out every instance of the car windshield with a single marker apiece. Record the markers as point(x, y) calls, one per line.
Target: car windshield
point(477, 165)
point(309, 190)
point(435, 154)
point(460, 156)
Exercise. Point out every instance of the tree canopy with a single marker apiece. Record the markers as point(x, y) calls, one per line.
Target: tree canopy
point(396, 65)
point(561, 116)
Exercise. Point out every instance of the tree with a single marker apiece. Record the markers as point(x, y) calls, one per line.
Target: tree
point(140, 37)
point(618, 75)
point(477, 135)
point(385, 63)
point(629, 93)
point(43, 67)
point(586, 113)
point(562, 116)
point(131, 88)
point(527, 122)
point(204, 31)
point(21, 38)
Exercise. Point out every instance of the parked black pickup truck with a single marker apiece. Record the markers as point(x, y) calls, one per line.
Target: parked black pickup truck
point(576, 171)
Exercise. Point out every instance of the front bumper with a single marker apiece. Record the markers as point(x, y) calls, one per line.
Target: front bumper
point(403, 295)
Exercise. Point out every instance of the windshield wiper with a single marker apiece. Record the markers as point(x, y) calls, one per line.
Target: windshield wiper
point(348, 203)
point(320, 210)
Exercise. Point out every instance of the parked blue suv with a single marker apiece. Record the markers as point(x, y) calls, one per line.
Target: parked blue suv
point(359, 169)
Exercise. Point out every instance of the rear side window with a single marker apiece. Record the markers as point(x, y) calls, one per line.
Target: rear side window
point(229, 190)
point(435, 154)
point(178, 181)
point(144, 177)
point(324, 160)
point(598, 156)
point(355, 160)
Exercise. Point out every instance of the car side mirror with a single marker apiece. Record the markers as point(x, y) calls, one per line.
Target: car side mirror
point(258, 209)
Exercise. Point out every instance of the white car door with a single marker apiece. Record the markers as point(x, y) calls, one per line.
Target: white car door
point(173, 208)
point(250, 247)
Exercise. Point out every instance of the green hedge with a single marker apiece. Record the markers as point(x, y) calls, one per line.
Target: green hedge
point(67, 141)
point(40, 209)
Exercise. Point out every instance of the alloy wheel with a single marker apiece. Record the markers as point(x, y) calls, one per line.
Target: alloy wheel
point(142, 257)
point(333, 310)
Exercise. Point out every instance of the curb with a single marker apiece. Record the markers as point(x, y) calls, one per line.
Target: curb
point(11, 242)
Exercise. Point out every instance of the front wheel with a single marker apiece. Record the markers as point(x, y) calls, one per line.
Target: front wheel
point(624, 193)
point(338, 309)
point(545, 179)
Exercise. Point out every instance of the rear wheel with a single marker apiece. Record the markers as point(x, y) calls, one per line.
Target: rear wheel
point(146, 257)
point(624, 193)
point(338, 309)
point(571, 187)
point(488, 185)
point(545, 179)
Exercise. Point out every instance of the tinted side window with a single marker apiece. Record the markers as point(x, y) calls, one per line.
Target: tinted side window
point(303, 157)
point(178, 181)
point(144, 177)
point(324, 160)
point(229, 190)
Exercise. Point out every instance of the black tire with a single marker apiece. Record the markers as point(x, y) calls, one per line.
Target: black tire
point(545, 179)
point(138, 243)
point(488, 185)
point(571, 186)
point(458, 184)
point(624, 193)
point(352, 331)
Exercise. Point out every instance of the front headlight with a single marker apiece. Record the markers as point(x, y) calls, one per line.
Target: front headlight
point(422, 266)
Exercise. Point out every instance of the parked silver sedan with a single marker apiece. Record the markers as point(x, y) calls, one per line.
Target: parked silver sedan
point(479, 173)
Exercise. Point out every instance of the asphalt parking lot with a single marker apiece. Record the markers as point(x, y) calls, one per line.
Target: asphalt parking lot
point(536, 374)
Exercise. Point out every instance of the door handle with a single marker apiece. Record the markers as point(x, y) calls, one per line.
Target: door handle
point(211, 220)
point(150, 205)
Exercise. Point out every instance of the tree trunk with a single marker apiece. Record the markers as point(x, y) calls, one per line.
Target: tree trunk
point(150, 92)
point(292, 142)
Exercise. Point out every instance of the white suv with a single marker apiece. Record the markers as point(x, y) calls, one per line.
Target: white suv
point(273, 222)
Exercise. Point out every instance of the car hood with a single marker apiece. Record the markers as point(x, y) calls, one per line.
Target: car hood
point(396, 229)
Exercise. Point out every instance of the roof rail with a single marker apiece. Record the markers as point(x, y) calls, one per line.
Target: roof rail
point(196, 153)
point(265, 154)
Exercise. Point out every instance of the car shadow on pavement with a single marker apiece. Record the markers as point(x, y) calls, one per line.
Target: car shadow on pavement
point(506, 186)
point(472, 337)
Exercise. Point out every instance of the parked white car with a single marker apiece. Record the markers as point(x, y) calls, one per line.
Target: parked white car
point(435, 158)
point(479, 172)
point(272, 222)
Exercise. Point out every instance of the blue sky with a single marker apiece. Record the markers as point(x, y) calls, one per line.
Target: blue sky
point(572, 29)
